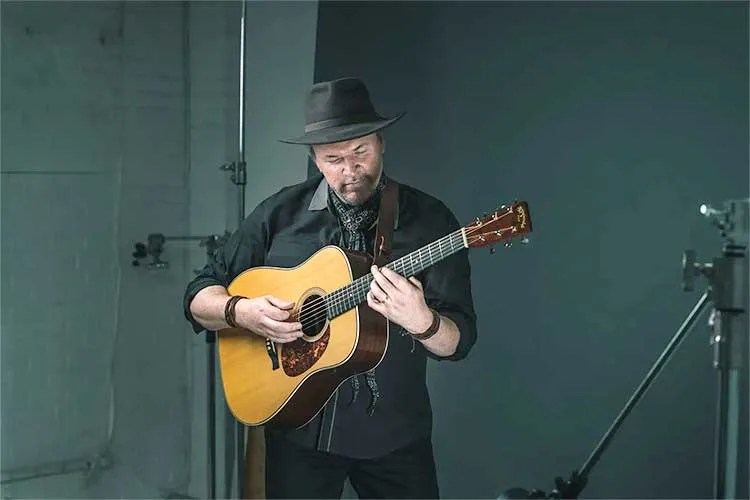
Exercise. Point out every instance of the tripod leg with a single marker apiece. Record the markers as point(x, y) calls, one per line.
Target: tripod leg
point(686, 326)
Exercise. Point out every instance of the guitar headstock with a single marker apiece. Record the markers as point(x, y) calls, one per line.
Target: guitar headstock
point(504, 224)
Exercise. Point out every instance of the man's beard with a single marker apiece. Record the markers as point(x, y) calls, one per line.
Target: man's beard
point(367, 188)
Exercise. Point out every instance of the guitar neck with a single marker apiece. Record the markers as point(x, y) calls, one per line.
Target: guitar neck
point(350, 296)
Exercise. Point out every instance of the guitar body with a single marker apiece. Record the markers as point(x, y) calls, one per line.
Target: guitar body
point(308, 370)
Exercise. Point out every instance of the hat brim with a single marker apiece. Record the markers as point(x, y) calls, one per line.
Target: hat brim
point(344, 132)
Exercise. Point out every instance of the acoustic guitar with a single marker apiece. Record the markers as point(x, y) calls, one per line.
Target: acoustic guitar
point(286, 385)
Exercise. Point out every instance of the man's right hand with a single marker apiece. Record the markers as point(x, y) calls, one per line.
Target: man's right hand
point(268, 317)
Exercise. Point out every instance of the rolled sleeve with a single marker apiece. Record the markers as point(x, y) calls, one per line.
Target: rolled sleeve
point(448, 291)
point(195, 286)
point(244, 249)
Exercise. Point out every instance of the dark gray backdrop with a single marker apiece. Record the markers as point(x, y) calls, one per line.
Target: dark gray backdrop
point(615, 121)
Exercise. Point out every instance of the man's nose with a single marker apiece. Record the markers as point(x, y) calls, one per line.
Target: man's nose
point(350, 164)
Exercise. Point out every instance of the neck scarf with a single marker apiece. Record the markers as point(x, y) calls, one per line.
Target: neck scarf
point(356, 220)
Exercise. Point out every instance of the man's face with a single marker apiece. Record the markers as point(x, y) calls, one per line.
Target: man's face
point(352, 168)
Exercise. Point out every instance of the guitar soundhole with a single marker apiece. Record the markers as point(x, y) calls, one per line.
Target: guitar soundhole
point(313, 317)
point(300, 355)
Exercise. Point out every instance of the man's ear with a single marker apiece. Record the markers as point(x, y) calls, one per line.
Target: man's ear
point(313, 158)
point(316, 164)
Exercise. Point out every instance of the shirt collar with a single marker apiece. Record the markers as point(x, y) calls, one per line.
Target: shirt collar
point(320, 197)
point(319, 200)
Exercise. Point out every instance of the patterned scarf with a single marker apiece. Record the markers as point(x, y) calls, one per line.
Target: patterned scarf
point(356, 221)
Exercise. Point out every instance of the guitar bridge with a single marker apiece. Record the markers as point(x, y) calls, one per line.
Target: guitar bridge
point(271, 350)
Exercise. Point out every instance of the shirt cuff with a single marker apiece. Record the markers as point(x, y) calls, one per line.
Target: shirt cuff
point(192, 290)
point(467, 336)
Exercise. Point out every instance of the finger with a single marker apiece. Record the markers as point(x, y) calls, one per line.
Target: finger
point(284, 338)
point(384, 283)
point(374, 304)
point(414, 281)
point(378, 292)
point(281, 326)
point(281, 340)
point(276, 313)
point(393, 277)
point(280, 303)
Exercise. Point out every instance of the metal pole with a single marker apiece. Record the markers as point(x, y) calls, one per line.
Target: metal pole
point(728, 338)
point(685, 327)
point(241, 174)
point(240, 179)
point(211, 484)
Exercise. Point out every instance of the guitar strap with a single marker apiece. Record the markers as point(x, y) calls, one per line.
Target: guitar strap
point(386, 221)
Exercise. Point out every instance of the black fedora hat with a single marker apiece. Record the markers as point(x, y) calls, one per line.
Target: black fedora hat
point(340, 110)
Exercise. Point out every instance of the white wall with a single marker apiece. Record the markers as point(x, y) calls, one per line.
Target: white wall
point(62, 155)
point(279, 70)
point(151, 439)
point(214, 70)
point(115, 119)
point(93, 160)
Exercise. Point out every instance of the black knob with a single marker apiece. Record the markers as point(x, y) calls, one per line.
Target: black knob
point(688, 270)
point(140, 251)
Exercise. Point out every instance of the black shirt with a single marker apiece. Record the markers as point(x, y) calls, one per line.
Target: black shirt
point(291, 225)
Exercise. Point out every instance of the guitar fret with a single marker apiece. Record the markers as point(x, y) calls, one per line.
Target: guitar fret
point(349, 296)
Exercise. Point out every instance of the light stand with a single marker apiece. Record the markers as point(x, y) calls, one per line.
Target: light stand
point(239, 178)
point(154, 249)
point(727, 277)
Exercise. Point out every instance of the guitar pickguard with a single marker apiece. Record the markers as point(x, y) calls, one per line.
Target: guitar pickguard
point(299, 356)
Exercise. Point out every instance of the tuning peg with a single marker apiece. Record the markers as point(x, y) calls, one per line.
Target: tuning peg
point(525, 241)
point(492, 250)
point(508, 244)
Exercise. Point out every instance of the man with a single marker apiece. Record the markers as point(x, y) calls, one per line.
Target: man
point(382, 443)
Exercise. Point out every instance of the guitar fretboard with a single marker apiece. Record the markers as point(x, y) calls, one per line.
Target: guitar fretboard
point(348, 297)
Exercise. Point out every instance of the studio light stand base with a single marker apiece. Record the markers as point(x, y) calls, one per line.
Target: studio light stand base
point(727, 291)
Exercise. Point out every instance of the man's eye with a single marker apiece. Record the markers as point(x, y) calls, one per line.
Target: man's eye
point(336, 160)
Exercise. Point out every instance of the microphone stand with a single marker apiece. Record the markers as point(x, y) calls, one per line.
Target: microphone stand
point(726, 290)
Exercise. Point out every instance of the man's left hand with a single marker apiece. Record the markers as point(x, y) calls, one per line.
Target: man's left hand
point(399, 299)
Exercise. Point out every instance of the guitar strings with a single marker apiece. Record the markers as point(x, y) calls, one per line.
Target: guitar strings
point(317, 309)
point(320, 308)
